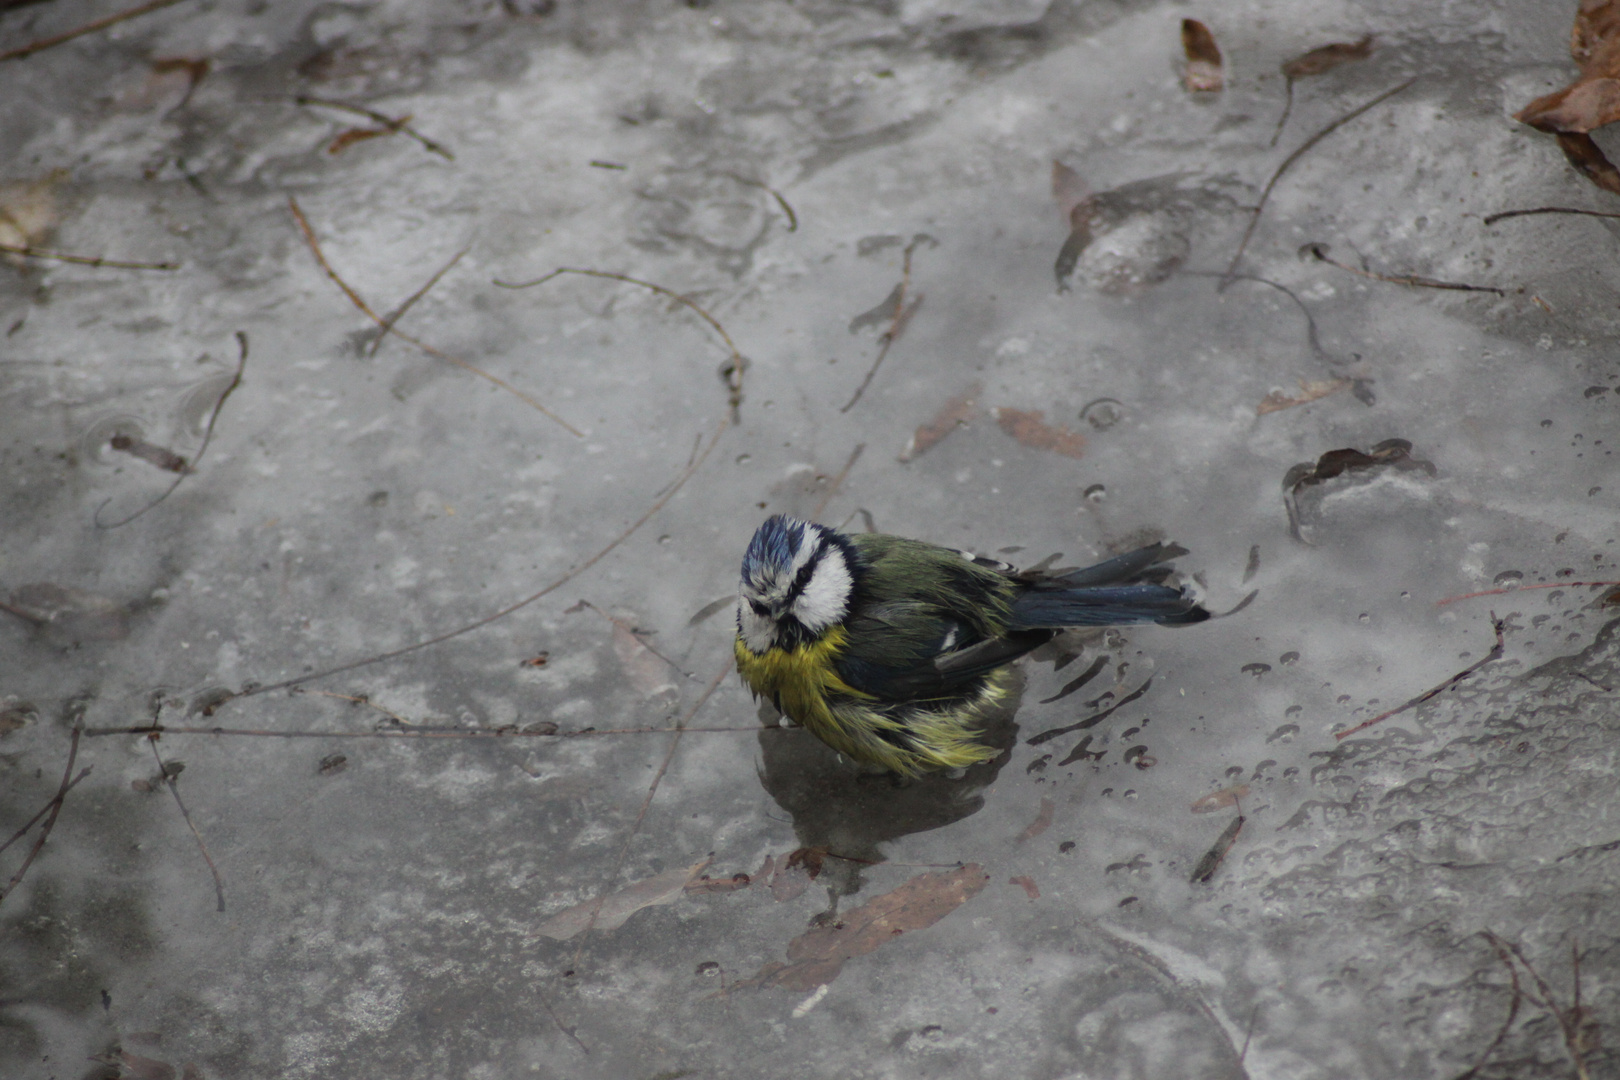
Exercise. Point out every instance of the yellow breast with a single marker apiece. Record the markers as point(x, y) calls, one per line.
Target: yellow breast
point(798, 680)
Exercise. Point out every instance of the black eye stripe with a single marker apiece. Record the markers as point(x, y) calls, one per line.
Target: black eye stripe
point(806, 571)
point(759, 608)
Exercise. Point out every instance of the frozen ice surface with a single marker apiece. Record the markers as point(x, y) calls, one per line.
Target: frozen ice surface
point(380, 908)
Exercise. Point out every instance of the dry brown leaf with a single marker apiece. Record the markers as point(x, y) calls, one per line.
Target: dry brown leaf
point(816, 957)
point(1032, 890)
point(648, 674)
point(1212, 858)
point(346, 139)
point(1592, 100)
point(616, 908)
point(1203, 71)
point(28, 212)
point(1308, 392)
point(16, 715)
point(1325, 58)
point(69, 613)
point(1042, 822)
point(952, 415)
point(1220, 800)
point(1030, 428)
point(706, 884)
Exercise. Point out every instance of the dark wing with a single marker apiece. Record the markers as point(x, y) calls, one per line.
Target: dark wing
point(1121, 590)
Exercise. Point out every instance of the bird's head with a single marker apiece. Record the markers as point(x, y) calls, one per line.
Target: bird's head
point(797, 577)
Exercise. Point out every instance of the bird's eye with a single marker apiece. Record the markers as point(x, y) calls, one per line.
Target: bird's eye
point(759, 609)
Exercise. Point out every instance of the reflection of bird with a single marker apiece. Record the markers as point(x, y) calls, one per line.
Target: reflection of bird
point(893, 651)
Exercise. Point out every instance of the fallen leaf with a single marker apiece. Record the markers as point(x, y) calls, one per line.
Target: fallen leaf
point(648, 673)
point(68, 613)
point(1297, 482)
point(1212, 858)
point(28, 212)
point(817, 956)
point(1308, 392)
point(346, 139)
point(1203, 71)
point(1325, 58)
point(1592, 100)
point(1031, 890)
point(952, 415)
point(1042, 822)
point(1031, 429)
point(16, 715)
point(706, 884)
point(613, 910)
point(1219, 800)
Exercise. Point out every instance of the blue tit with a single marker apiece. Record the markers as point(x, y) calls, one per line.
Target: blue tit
point(894, 651)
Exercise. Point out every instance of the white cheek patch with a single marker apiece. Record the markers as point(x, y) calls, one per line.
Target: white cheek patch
point(758, 631)
point(825, 599)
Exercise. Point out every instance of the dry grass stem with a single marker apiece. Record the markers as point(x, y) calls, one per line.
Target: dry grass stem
point(391, 123)
point(1265, 194)
point(208, 437)
point(735, 364)
point(1435, 691)
point(85, 260)
point(386, 326)
point(88, 28)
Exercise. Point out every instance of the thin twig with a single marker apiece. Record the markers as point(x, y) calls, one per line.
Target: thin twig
point(897, 323)
point(409, 732)
point(1494, 654)
point(208, 435)
point(837, 482)
point(1265, 194)
point(1505, 214)
point(85, 260)
point(399, 312)
point(88, 28)
point(641, 814)
point(1320, 252)
point(732, 372)
point(20, 833)
point(658, 504)
point(1524, 588)
point(1513, 1007)
point(792, 218)
point(638, 635)
point(1565, 1026)
point(387, 327)
point(50, 820)
point(1310, 320)
point(174, 789)
point(390, 122)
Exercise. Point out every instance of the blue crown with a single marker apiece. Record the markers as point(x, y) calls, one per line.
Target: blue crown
point(773, 546)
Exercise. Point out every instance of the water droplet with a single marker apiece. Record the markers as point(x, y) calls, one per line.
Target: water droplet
point(1285, 733)
point(1130, 793)
point(1096, 493)
point(1507, 577)
point(743, 459)
point(1256, 670)
point(95, 445)
point(1103, 413)
point(1406, 596)
point(1288, 658)
point(1364, 617)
